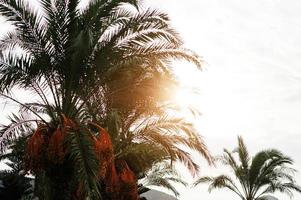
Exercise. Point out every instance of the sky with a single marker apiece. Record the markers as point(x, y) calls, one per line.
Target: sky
point(251, 84)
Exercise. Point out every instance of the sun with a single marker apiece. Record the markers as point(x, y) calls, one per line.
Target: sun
point(187, 93)
point(183, 98)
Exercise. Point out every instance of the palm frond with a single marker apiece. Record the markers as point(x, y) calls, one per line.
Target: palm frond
point(204, 179)
point(286, 188)
point(9, 41)
point(152, 52)
point(13, 71)
point(141, 156)
point(18, 126)
point(28, 23)
point(264, 162)
point(162, 175)
point(243, 153)
point(84, 158)
point(221, 181)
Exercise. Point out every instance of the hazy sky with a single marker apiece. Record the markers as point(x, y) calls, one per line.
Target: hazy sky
point(252, 82)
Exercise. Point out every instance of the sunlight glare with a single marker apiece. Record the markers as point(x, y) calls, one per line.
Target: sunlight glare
point(187, 96)
point(183, 98)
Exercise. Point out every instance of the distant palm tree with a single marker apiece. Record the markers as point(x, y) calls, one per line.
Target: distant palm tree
point(69, 57)
point(267, 172)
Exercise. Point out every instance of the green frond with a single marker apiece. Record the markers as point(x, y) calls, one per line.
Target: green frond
point(286, 188)
point(221, 181)
point(85, 162)
point(274, 168)
point(142, 26)
point(13, 71)
point(27, 22)
point(243, 153)
point(144, 37)
point(265, 162)
point(97, 10)
point(141, 156)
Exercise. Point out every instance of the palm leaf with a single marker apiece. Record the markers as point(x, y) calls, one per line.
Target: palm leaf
point(162, 175)
point(84, 158)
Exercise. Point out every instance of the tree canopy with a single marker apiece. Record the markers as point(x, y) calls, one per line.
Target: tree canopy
point(102, 76)
point(266, 172)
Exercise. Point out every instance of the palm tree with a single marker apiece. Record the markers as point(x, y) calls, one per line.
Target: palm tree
point(69, 57)
point(267, 172)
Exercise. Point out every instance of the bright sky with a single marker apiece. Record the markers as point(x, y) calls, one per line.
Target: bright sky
point(252, 82)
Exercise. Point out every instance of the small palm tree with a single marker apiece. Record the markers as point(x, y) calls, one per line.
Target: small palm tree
point(267, 172)
point(14, 183)
point(14, 186)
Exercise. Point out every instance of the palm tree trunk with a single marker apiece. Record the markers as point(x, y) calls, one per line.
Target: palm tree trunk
point(55, 183)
